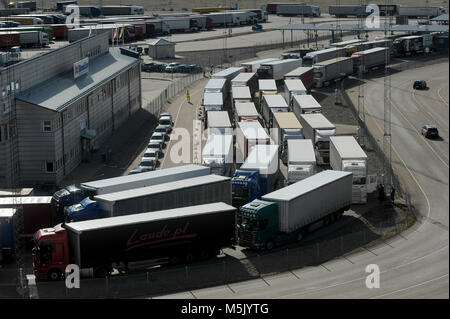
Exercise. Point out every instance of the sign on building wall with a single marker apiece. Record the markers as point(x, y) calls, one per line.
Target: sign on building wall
point(81, 67)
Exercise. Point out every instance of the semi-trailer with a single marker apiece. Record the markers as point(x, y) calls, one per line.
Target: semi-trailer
point(122, 10)
point(24, 39)
point(298, 9)
point(272, 104)
point(343, 44)
point(301, 160)
point(317, 128)
point(100, 246)
point(331, 70)
point(349, 10)
point(228, 75)
point(288, 214)
point(421, 12)
point(218, 122)
point(277, 69)
point(286, 127)
point(273, 6)
point(314, 57)
point(217, 154)
point(363, 61)
point(181, 24)
point(253, 66)
point(266, 87)
point(220, 19)
point(36, 212)
point(215, 86)
point(248, 79)
point(292, 88)
point(305, 74)
point(240, 94)
point(89, 11)
point(262, 16)
point(305, 104)
point(348, 156)
point(26, 20)
point(212, 101)
point(249, 134)
point(257, 176)
point(180, 193)
point(73, 194)
point(245, 112)
point(414, 44)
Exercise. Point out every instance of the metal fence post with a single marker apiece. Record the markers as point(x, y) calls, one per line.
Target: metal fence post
point(106, 286)
point(287, 258)
point(148, 280)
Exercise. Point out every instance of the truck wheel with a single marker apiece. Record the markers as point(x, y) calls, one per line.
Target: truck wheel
point(270, 244)
point(54, 275)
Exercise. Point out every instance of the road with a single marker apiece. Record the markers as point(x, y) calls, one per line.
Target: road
point(414, 264)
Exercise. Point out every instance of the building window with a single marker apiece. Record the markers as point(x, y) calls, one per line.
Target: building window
point(49, 167)
point(47, 126)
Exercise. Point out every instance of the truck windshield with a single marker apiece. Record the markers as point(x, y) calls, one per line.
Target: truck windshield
point(323, 145)
point(45, 253)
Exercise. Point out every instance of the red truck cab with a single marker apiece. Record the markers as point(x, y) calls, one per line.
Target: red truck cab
point(357, 60)
point(50, 253)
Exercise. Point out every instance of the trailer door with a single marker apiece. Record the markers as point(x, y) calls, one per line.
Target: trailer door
point(372, 183)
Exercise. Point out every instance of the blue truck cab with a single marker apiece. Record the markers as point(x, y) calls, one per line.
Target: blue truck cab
point(65, 197)
point(6, 233)
point(246, 186)
point(87, 209)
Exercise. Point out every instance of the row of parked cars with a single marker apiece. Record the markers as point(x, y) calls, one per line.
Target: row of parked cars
point(155, 146)
point(173, 67)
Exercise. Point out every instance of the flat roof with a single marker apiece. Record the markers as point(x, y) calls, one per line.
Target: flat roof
point(155, 189)
point(299, 71)
point(371, 50)
point(301, 150)
point(79, 227)
point(241, 92)
point(227, 72)
point(276, 100)
point(218, 144)
point(212, 98)
point(294, 85)
point(246, 109)
point(280, 61)
point(331, 61)
point(307, 101)
point(263, 158)
point(305, 186)
point(218, 119)
point(324, 51)
point(317, 120)
point(259, 61)
point(60, 91)
point(253, 130)
point(215, 84)
point(347, 147)
point(267, 85)
point(287, 120)
point(143, 176)
point(243, 77)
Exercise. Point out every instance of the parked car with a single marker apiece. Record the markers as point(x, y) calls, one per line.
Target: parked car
point(172, 67)
point(420, 85)
point(152, 153)
point(148, 67)
point(195, 68)
point(157, 136)
point(430, 131)
point(166, 114)
point(161, 129)
point(184, 68)
point(166, 121)
point(156, 145)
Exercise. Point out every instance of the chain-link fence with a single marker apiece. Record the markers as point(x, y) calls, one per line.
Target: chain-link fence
point(157, 103)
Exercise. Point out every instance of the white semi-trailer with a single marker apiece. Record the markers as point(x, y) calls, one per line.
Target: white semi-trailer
point(245, 111)
point(246, 79)
point(277, 69)
point(330, 70)
point(301, 160)
point(218, 154)
point(272, 104)
point(293, 87)
point(248, 135)
point(317, 128)
point(218, 122)
point(285, 127)
point(253, 66)
point(305, 104)
point(240, 94)
point(288, 214)
point(421, 12)
point(363, 61)
point(212, 101)
point(314, 57)
point(347, 155)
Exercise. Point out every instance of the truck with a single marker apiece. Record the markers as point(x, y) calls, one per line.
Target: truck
point(186, 192)
point(253, 66)
point(277, 69)
point(239, 18)
point(292, 88)
point(220, 19)
point(122, 10)
point(26, 20)
point(348, 156)
point(272, 104)
point(257, 176)
point(100, 246)
point(248, 79)
point(261, 15)
point(218, 122)
point(33, 39)
point(240, 94)
point(248, 135)
point(216, 86)
point(314, 57)
point(285, 127)
point(73, 194)
point(305, 74)
point(349, 10)
point(212, 101)
point(363, 61)
point(301, 160)
point(411, 45)
point(273, 6)
point(317, 128)
point(421, 11)
point(298, 9)
point(290, 213)
point(305, 104)
point(228, 74)
point(245, 112)
point(7, 217)
point(217, 154)
point(181, 24)
point(9, 39)
point(36, 211)
point(331, 70)
point(266, 87)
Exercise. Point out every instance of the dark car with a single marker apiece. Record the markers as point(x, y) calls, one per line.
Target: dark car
point(195, 68)
point(172, 67)
point(183, 68)
point(148, 67)
point(430, 131)
point(420, 85)
point(162, 129)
